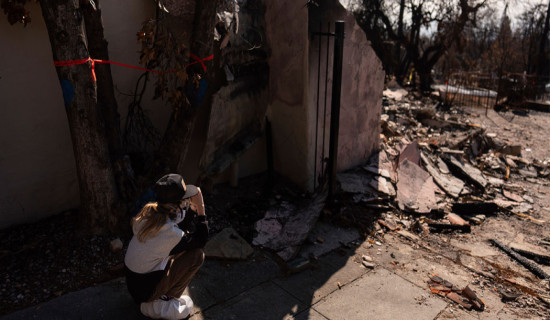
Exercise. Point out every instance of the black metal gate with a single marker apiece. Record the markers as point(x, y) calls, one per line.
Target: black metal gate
point(325, 165)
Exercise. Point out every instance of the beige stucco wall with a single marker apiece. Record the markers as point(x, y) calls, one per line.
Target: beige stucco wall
point(361, 90)
point(362, 86)
point(287, 35)
point(37, 169)
point(293, 90)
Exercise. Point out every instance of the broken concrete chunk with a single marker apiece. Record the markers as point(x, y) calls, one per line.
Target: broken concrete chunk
point(284, 228)
point(368, 265)
point(512, 196)
point(467, 172)
point(451, 185)
point(532, 173)
point(381, 172)
point(384, 164)
point(523, 207)
point(495, 181)
point(442, 166)
point(410, 152)
point(381, 185)
point(395, 92)
point(228, 244)
point(415, 188)
point(504, 204)
point(406, 234)
point(367, 258)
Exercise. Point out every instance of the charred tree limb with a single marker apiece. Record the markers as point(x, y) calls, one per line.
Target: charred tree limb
point(523, 261)
point(538, 258)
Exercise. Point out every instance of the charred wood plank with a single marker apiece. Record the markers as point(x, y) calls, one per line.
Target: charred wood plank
point(441, 227)
point(467, 172)
point(474, 208)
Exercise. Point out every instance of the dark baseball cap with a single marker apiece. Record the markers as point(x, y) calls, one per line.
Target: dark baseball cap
point(172, 189)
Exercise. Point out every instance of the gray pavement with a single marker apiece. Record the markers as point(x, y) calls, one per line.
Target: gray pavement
point(336, 287)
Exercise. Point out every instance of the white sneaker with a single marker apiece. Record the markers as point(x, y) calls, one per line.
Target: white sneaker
point(171, 309)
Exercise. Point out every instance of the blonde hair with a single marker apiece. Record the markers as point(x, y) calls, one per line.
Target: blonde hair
point(154, 216)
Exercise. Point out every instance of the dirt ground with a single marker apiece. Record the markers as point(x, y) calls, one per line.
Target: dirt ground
point(41, 261)
point(496, 271)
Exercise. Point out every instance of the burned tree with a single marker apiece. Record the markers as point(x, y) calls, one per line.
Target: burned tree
point(98, 193)
point(105, 176)
point(405, 26)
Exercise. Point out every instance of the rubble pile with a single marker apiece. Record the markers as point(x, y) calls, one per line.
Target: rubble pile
point(440, 175)
point(438, 172)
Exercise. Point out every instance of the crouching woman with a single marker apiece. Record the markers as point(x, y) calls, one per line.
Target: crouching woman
point(166, 249)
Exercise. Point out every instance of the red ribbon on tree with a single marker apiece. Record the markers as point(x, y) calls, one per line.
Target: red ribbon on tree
point(94, 61)
point(199, 60)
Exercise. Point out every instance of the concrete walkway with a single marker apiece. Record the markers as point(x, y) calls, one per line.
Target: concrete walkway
point(336, 287)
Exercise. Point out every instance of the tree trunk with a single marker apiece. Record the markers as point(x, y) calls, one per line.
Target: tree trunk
point(98, 48)
point(425, 76)
point(107, 105)
point(180, 127)
point(397, 45)
point(543, 60)
point(97, 189)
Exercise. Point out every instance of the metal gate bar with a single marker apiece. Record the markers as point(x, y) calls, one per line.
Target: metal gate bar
point(335, 104)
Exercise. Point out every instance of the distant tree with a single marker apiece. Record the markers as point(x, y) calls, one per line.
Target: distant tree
point(422, 29)
point(467, 53)
point(504, 53)
point(543, 63)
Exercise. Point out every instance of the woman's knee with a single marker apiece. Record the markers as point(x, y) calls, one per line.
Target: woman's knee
point(198, 256)
point(193, 257)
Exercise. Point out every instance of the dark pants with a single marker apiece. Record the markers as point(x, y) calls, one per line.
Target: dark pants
point(178, 273)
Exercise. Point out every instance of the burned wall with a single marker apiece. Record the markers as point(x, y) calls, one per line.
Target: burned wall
point(239, 107)
point(362, 86)
point(287, 34)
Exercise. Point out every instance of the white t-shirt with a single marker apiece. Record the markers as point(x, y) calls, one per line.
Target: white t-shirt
point(154, 253)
